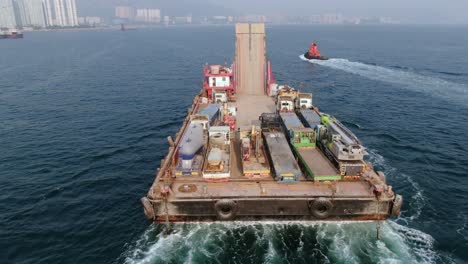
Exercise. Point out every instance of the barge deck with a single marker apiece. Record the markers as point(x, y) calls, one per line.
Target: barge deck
point(174, 198)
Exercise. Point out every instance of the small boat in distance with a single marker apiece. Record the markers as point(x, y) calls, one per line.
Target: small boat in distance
point(123, 28)
point(11, 34)
point(314, 53)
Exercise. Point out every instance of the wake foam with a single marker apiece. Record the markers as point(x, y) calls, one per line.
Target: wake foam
point(405, 78)
point(289, 242)
point(416, 202)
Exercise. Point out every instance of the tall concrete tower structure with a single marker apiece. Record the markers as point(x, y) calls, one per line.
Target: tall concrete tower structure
point(31, 13)
point(72, 16)
point(7, 14)
point(48, 13)
point(59, 9)
point(60, 13)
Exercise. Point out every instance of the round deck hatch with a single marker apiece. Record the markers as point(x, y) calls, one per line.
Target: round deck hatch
point(187, 188)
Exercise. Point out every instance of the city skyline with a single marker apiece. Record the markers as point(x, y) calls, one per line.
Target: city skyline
point(64, 13)
point(413, 12)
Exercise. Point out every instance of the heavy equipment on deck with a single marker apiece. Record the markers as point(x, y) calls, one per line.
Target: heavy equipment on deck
point(304, 101)
point(257, 164)
point(342, 147)
point(313, 162)
point(254, 159)
point(217, 166)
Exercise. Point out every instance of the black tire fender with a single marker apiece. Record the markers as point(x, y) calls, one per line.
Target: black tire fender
point(397, 204)
point(148, 208)
point(321, 207)
point(226, 209)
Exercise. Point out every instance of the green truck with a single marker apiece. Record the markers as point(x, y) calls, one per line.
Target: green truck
point(303, 143)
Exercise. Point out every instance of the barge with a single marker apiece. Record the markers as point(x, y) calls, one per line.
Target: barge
point(251, 149)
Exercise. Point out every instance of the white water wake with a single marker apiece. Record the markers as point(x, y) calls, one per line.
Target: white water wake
point(337, 242)
point(406, 79)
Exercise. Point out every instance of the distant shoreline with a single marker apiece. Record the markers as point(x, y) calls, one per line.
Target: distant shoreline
point(131, 27)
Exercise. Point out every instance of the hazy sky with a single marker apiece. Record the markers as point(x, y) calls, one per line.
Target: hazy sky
point(410, 10)
point(416, 11)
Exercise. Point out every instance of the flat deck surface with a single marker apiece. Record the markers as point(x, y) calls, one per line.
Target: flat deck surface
point(250, 107)
point(249, 189)
point(318, 162)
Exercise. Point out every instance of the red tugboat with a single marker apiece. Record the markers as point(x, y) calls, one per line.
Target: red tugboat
point(314, 53)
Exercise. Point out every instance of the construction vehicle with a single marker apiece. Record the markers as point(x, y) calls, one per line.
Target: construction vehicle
point(342, 143)
point(304, 101)
point(303, 143)
point(229, 116)
point(203, 120)
point(212, 111)
point(270, 122)
point(284, 163)
point(310, 118)
point(282, 160)
point(285, 103)
point(286, 90)
point(313, 162)
point(217, 166)
point(220, 97)
point(342, 147)
point(289, 120)
point(254, 159)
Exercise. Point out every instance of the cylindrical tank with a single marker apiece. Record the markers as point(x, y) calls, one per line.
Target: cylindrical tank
point(190, 144)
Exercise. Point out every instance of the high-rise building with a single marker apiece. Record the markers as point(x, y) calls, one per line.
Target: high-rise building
point(7, 14)
point(126, 12)
point(154, 15)
point(48, 13)
point(60, 18)
point(332, 19)
point(60, 13)
point(141, 14)
point(148, 15)
point(38, 13)
point(30, 13)
point(90, 21)
point(71, 13)
point(166, 20)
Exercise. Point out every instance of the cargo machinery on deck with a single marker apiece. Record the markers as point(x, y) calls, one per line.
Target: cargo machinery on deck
point(250, 89)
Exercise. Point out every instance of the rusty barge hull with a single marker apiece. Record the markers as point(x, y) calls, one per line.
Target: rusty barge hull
point(273, 209)
point(190, 198)
point(195, 201)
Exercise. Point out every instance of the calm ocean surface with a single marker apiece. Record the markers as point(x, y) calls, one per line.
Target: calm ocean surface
point(84, 117)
